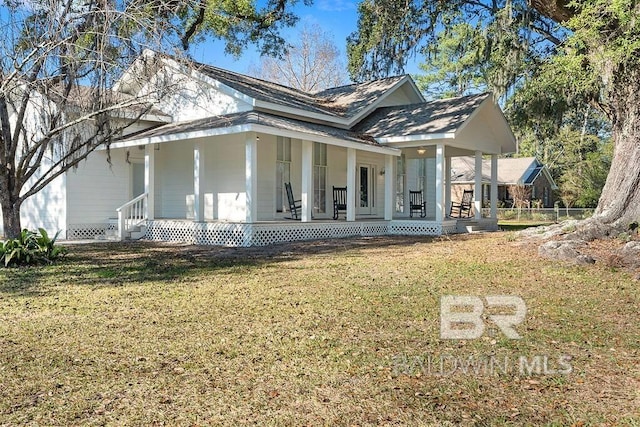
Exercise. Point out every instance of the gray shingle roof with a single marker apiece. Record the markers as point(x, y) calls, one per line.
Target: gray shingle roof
point(252, 117)
point(344, 101)
point(263, 90)
point(441, 116)
point(352, 98)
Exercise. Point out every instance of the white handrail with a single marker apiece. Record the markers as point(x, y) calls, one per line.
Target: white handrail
point(132, 214)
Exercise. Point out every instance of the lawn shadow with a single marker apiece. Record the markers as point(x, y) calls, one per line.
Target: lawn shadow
point(139, 262)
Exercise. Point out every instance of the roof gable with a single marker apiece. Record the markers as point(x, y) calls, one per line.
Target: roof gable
point(342, 106)
point(436, 117)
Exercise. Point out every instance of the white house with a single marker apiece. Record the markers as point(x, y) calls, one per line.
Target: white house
point(211, 167)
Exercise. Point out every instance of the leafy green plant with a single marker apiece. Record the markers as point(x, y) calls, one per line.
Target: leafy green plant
point(30, 247)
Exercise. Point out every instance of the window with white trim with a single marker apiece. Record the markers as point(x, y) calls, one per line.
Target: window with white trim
point(421, 173)
point(319, 177)
point(283, 172)
point(401, 178)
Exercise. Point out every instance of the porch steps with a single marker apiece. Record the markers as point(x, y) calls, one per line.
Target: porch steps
point(111, 233)
point(473, 226)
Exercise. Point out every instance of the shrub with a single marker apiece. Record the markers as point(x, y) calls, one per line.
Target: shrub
point(510, 214)
point(30, 247)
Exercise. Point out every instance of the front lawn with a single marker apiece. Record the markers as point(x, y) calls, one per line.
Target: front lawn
point(343, 332)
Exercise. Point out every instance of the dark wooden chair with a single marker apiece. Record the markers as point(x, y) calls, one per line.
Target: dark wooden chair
point(463, 208)
point(417, 204)
point(295, 206)
point(339, 201)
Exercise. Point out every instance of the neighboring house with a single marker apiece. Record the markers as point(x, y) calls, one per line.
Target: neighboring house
point(527, 172)
point(212, 166)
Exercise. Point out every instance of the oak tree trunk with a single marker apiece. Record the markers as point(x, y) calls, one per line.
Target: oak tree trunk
point(10, 216)
point(619, 203)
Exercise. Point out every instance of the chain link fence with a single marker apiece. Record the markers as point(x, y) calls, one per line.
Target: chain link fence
point(539, 214)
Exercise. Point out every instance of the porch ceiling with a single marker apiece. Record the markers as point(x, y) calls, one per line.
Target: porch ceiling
point(430, 151)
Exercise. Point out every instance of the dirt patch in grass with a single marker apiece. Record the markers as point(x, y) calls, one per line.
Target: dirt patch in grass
point(340, 332)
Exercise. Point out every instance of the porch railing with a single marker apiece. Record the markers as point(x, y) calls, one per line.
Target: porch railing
point(132, 214)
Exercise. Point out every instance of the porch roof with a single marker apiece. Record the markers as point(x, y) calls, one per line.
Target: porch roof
point(465, 124)
point(258, 122)
point(441, 117)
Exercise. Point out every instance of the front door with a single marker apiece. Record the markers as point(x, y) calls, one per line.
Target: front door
point(366, 186)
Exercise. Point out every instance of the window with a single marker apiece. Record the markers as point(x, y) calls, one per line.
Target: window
point(546, 196)
point(283, 172)
point(421, 173)
point(319, 177)
point(401, 176)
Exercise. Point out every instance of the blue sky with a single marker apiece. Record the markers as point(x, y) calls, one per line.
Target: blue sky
point(337, 17)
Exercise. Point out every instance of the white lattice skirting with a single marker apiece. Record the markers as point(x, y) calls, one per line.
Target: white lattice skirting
point(89, 231)
point(237, 234)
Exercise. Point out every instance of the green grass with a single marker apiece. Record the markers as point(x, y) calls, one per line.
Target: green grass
point(320, 333)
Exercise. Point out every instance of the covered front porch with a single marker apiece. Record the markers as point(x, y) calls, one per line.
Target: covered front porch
point(222, 180)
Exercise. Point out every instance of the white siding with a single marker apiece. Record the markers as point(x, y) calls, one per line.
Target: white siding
point(225, 180)
point(174, 180)
point(193, 99)
point(96, 189)
point(402, 96)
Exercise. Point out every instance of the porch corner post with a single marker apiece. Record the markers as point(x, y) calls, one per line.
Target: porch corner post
point(477, 192)
point(389, 186)
point(307, 181)
point(440, 208)
point(149, 179)
point(494, 186)
point(198, 180)
point(351, 184)
point(447, 185)
point(251, 177)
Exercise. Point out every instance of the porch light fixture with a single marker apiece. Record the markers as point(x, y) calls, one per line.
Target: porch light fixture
point(422, 150)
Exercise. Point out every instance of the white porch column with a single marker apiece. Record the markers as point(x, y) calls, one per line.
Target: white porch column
point(440, 208)
point(447, 185)
point(198, 181)
point(307, 180)
point(251, 177)
point(351, 184)
point(494, 186)
point(149, 178)
point(389, 186)
point(477, 192)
